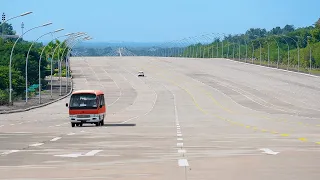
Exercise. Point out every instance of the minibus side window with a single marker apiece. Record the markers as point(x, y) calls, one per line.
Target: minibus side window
point(102, 100)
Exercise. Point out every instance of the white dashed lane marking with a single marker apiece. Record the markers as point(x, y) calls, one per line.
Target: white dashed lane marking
point(183, 162)
point(75, 155)
point(179, 144)
point(179, 139)
point(36, 144)
point(182, 151)
point(55, 139)
point(70, 134)
point(9, 152)
point(1, 126)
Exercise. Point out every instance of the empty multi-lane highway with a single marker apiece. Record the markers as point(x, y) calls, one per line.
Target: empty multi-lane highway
point(187, 118)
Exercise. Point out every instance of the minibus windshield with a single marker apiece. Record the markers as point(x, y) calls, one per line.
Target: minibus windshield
point(83, 101)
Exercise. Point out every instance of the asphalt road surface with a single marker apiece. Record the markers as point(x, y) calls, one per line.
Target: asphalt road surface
point(186, 119)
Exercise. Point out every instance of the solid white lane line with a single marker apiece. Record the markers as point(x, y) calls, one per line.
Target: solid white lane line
point(55, 139)
point(179, 139)
point(92, 153)
point(182, 151)
point(36, 144)
point(70, 134)
point(183, 162)
point(179, 144)
point(9, 152)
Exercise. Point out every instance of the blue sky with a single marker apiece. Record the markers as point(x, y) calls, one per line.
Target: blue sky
point(157, 21)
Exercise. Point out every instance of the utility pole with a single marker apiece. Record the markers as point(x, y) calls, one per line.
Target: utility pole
point(22, 26)
point(3, 19)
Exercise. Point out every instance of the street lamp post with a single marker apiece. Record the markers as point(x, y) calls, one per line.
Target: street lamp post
point(68, 61)
point(278, 51)
point(71, 39)
point(310, 59)
point(10, 78)
point(58, 46)
point(239, 50)
point(268, 52)
point(26, 67)
point(252, 52)
point(298, 51)
point(51, 65)
point(308, 44)
point(288, 50)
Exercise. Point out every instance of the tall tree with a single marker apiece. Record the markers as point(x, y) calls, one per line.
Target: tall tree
point(288, 28)
point(7, 29)
point(317, 24)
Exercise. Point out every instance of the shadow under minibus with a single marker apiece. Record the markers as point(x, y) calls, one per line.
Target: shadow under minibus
point(108, 125)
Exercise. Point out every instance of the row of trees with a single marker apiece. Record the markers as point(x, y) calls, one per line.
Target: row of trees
point(19, 62)
point(247, 46)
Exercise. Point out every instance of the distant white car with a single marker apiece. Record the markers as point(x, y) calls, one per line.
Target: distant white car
point(140, 73)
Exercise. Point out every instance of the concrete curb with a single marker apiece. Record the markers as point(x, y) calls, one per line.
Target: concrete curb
point(41, 105)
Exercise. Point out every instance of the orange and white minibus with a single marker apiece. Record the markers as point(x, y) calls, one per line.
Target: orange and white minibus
point(87, 106)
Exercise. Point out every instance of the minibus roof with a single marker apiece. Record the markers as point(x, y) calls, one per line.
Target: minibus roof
point(96, 92)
